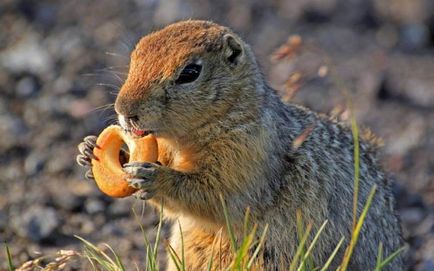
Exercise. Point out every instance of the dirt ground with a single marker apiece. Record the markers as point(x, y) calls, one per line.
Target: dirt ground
point(61, 62)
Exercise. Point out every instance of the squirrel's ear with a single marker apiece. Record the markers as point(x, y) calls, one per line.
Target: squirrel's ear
point(233, 50)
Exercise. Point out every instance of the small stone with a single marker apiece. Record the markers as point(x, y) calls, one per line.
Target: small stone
point(94, 206)
point(29, 55)
point(27, 87)
point(3, 220)
point(34, 163)
point(411, 216)
point(68, 201)
point(427, 265)
point(120, 208)
point(414, 36)
point(37, 223)
point(112, 229)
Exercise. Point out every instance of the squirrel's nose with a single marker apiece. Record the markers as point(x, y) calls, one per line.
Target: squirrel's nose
point(127, 107)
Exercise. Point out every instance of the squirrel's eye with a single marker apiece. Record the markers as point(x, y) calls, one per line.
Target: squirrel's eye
point(190, 73)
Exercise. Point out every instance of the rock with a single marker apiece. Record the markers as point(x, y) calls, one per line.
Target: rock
point(3, 220)
point(112, 229)
point(169, 11)
point(120, 208)
point(34, 163)
point(12, 129)
point(408, 82)
point(27, 86)
point(29, 55)
point(68, 201)
point(94, 206)
point(402, 11)
point(414, 36)
point(411, 216)
point(426, 266)
point(36, 223)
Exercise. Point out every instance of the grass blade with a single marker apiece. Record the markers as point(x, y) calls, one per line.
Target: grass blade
point(357, 229)
point(300, 248)
point(182, 247)
point(173, 256)
point(244, 249)
point(356, 154)
point(228, 225)
point(311, 246)
point(332, 256)
point(258, 248)
point(160, 225)
point(118, 260)
point(100, 255)
point(391, 257)
point(9, 257)
point(379, 257)
point(150, 259)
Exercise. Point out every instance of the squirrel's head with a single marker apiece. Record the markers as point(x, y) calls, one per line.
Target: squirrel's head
point(184, 76)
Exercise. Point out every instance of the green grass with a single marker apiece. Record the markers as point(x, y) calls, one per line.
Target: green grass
point(9, 258)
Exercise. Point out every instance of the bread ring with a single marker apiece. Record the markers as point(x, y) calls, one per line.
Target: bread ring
point(107, 170)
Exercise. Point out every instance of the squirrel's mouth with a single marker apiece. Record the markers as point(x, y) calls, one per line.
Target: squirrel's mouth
point(132, 128)
point(136, 132)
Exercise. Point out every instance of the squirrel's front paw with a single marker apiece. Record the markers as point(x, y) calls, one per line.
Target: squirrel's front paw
point(86, 155)
point(142, 177)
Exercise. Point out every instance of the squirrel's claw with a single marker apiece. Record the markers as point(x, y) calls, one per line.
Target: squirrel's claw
point(83, 160)
point(144, 195)
point(86, 151)
point(142, 177)
point(89, 175)
point(141, 170)
point(90, 141)
point(140, 183)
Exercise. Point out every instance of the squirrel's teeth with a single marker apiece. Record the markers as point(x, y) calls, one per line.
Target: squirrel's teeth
point(137, 132)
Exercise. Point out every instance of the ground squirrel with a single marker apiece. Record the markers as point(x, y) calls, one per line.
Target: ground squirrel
point(222, 130)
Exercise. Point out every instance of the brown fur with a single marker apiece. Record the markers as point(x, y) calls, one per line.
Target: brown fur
point(177, 43)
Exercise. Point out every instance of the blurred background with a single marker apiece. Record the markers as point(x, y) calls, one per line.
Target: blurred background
point(62, 62)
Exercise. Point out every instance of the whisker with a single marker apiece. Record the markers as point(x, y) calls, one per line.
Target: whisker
point(117, 55)
point(112, 86)
point(111, 70)
point(103, 107)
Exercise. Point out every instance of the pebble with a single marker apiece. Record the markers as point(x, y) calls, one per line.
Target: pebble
point(3, 220)
point(27, 86)
point(412, 215)
point(94, 206)
point(29, 55)
point(37, 223)
point(426, 266)
point(34, 163)
point(68, 201)
point(120, 208)
point(414, 36)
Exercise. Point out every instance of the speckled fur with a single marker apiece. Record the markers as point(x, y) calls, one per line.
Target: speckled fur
point(229, 133)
